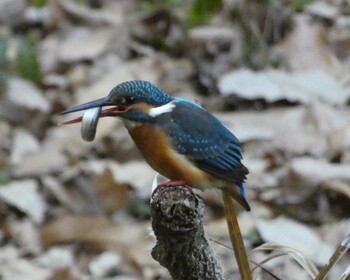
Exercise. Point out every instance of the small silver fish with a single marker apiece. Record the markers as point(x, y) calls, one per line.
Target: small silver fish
point(89, 123)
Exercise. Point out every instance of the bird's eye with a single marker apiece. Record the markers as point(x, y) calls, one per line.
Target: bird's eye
point(128, 100)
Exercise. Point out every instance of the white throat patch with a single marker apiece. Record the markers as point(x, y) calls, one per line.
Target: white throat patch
point(167, 108)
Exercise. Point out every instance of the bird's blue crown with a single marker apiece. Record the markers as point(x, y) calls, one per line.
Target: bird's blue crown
point(143, 91)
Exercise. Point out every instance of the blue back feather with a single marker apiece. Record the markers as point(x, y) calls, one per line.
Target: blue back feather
point(203, 139)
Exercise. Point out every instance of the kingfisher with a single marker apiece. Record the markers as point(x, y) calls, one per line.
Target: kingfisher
point(183, 142)
point(177, 137)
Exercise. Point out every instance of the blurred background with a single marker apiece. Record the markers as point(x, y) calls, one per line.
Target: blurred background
point(275, 72)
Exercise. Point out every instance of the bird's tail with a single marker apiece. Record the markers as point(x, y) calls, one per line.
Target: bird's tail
point(238, 194)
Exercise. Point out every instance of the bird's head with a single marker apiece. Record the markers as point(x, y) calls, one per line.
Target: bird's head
point(134, 100)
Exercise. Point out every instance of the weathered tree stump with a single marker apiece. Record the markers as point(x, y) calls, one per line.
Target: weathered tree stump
point(182, 246)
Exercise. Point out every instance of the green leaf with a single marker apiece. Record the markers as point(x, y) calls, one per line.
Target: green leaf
point(3, 48)
point(153, 5)
point(299, 5)
point(3, 62)
point(4, 178)
point(202, 11)
point(39, 3)
point(27, 60)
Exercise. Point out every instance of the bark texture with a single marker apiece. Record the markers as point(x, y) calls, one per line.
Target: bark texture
point(182, 246)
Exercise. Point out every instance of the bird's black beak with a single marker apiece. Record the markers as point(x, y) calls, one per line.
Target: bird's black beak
point(113, 111)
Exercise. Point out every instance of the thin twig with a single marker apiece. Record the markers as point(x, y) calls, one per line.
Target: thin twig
point(236, 237)
point(341, 250)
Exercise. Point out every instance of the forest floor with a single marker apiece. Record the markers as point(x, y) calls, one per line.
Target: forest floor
point(276, 73)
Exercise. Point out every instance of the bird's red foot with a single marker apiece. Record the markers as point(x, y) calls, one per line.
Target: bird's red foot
point(172, 184)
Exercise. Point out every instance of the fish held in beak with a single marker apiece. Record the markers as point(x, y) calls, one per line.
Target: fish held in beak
point(89, 123)
point(90, 118)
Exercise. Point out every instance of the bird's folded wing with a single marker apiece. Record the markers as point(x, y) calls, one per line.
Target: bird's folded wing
point(204, 140)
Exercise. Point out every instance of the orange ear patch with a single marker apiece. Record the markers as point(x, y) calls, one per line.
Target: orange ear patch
point(143, 107)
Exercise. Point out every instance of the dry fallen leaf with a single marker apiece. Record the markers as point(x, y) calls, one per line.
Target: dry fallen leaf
point(25, 196)
point(135, 173)
point(293, 139)
point(335, 231)
point(295, 129)
point(12, 266)
point(113, 194)
point(143, 68)
point(84, 44)
point(323, 9)
point(52, 154)
point(104, 263)
point(210, 34)
point(26, 235)
point(46, 160)
point(275, 85)
point(98, 233)
point(12, 11)
point(24, 143)
point(56, 258)
point(305, 47)
point(25, 94)
point(338, 186)
point(66, 274)
point(48, 53)
point(326, 118)
point(309, 172)
point(289, 233)
point(85, 14)
point(56, 189)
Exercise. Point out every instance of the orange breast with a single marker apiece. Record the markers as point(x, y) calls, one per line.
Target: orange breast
point(156, 149)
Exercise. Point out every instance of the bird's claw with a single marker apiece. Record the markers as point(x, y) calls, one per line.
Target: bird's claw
point(168, 184)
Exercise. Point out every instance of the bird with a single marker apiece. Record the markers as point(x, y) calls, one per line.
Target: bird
point(182, 141)
point(178, 138)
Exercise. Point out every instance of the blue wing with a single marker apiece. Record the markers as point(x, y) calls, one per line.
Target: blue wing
point(204, 140)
